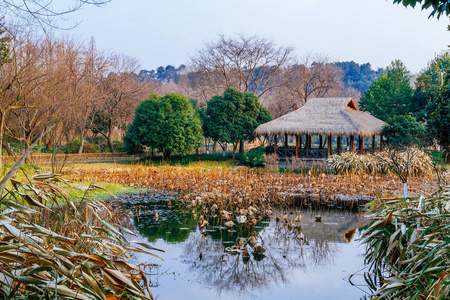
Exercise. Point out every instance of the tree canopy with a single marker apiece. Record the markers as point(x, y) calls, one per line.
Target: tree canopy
point(357, 76)
point(168, 124)
point(234, 116)
point(439, 7)
point(403, 131)
point(390, 94)
point(428, 83)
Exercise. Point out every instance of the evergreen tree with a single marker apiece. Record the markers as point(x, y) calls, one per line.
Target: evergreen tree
point(439, 123)
point(168, 124)
point(390, 94)
point(233, 117)
point(428, 83)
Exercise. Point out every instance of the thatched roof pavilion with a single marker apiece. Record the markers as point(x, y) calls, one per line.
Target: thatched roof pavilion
point(325, 117)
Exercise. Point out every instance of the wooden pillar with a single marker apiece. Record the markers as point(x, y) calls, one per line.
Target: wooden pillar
point(286, 141)
point(320, 142)
point(275, 145)
point(309, 141)
point(300, 141)
point(373, 143)
point(352, 144)
point(381, 142)
point(338, 142)
point(296, 145)
point(361, 144)
point(329, 145)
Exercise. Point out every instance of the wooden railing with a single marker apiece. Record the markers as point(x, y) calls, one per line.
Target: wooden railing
point(304, 153)
point(315, 153)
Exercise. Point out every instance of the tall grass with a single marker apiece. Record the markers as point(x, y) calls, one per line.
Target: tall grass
point(379, 163)
point(408, 247)
point(50, 250)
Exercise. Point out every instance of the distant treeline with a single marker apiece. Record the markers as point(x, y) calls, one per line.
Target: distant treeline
point(354, 75)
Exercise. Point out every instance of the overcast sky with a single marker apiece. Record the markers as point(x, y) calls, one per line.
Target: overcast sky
point(162, 32)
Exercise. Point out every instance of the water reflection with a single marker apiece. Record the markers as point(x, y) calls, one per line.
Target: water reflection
point(311, 247)
point(293, 252)
point(171, 224)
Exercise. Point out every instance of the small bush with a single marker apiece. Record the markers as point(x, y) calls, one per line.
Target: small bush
point(73, 147)
point(101, 144)
point(254, 157)
point(178, 159)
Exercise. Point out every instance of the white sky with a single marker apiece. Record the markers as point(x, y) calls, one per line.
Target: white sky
point(162, 32)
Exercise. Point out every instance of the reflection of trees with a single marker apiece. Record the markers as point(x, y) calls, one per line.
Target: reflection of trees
point(233, 272)
point(288, 247)
point(220, 233)
point(171, 225)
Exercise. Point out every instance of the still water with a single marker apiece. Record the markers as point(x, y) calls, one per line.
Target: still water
point(314, 262)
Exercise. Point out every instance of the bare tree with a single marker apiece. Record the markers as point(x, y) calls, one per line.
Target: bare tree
point(121, 92)
point(43, 12)
point(16, 79)
point(313, 76)
point(400, 163)
point(247, 63)
point(36, 91)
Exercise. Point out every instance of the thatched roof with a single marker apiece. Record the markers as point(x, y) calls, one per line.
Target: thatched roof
point(324, 116)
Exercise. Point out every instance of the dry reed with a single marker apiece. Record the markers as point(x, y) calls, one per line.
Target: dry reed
point(240, 188)
point(378, 163)
point(271, 162)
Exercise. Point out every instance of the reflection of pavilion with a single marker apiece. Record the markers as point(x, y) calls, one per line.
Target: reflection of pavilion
point(287, 249)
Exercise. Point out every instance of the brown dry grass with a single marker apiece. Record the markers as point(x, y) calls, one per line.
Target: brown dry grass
point(246, 186)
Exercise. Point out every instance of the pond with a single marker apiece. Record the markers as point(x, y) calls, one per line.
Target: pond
point(311, 261)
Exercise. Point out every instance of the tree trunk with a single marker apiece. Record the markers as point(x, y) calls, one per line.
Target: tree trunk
point(234, 150)
point(110, 145)
point(48, 144)
point(166, 155)
point(445, 150)
point(7, 148)
point(80, 150)
point(241, 146)
point(214, 147)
